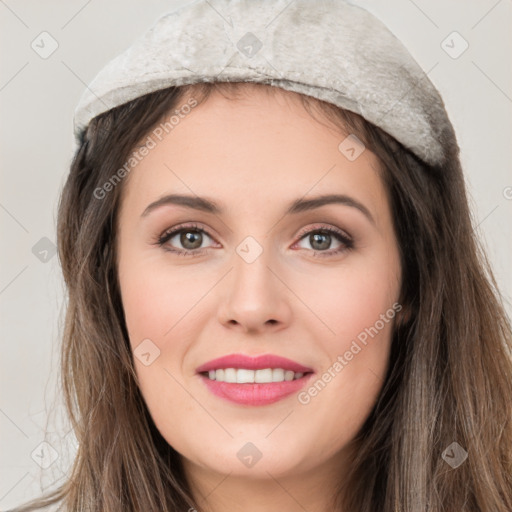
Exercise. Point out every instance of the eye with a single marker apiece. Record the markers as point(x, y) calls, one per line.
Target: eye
point(191, 237)
point(321, 239)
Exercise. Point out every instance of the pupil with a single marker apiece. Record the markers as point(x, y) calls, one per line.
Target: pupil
point(188, 236)
point(316, 238)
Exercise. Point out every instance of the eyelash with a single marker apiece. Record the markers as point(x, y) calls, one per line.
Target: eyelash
point(167, 235)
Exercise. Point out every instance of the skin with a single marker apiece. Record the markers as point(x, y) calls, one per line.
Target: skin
point(254, 155)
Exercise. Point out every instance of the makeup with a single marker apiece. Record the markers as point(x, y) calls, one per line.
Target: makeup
point(254, 381)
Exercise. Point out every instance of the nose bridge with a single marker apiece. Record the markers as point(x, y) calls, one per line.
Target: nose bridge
point(254, 295)
point(251, 276)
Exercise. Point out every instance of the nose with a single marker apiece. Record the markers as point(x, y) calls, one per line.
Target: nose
point(254, 297)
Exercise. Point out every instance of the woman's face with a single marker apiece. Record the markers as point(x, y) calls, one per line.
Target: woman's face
point(260, 275)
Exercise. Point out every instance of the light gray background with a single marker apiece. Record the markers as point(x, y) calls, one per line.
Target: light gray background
point(37, 100)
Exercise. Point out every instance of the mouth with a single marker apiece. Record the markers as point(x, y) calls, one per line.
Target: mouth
point(246, 380)
point(248, 376)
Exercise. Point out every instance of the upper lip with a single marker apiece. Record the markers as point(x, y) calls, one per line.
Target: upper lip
point(253, 363)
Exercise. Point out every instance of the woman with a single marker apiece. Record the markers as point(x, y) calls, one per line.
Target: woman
point(276, 297)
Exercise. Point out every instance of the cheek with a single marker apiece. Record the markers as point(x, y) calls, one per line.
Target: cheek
point(156, 298)
point(351, 299)
point(158, 303)
point(359, 310)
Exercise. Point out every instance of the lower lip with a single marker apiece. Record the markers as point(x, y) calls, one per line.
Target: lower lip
point(255, 394)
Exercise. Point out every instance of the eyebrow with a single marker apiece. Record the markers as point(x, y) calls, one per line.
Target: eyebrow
point(298, 206)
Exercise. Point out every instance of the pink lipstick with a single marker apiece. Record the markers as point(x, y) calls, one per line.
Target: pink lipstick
point(254, 381)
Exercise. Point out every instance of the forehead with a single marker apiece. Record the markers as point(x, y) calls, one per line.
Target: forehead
point(253, 143)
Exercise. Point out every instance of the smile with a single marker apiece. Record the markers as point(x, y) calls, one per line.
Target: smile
point(253, 380)
point(244, 375)
point(255, 393)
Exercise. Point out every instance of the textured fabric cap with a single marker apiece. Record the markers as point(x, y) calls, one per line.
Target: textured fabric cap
point(328, 49)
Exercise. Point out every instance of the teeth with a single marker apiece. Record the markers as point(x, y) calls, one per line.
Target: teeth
point(242, 375)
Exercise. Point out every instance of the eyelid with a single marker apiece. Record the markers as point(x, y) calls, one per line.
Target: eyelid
point(323, 227)
point(171, 232)
point(343, 237)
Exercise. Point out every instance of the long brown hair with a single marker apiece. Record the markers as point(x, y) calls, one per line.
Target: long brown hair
point(450, 372)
